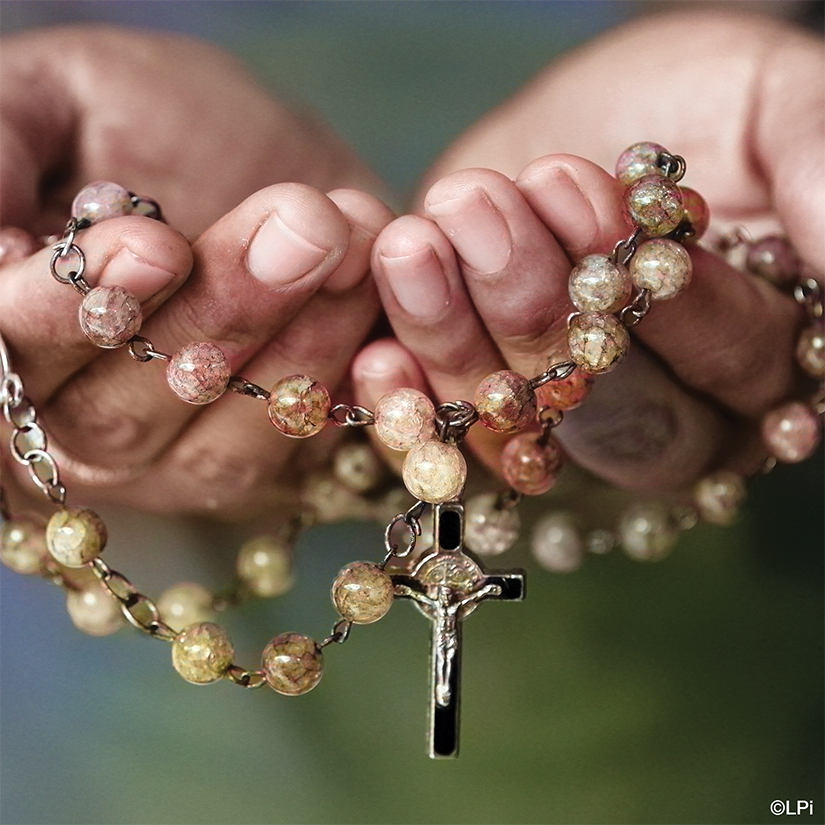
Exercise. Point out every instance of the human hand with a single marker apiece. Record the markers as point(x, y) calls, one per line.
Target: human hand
point(276, 274)
point(479, 283)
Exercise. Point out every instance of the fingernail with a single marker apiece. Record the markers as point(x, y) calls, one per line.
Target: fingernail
point(142, 278)
point(565, 206)
point(278, 255)
point(418, 283)
point(477, 230)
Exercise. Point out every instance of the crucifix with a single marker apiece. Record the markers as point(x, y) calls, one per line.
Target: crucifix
point(446, 585)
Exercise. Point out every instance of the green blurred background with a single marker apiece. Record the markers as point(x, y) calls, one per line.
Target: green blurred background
point(688, 691)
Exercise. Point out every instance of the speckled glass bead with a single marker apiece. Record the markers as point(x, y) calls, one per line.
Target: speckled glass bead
point(597, 342)
point(299, 406)
point(662, 266)
point(15, 245)
point(810, 351)
point(791, 432)
point(202, 653)
point(654, 204)
point(567, 393)
point(557, 543)
point(362, 592)
point(638, 161)
point(718, 496)
point(598, 285)
point(101, 200)
point(293, 664)
point(774, 259)
point(647, 531)
point(264, 564)
point(434, 471)
point(505, 402)
point(94, 611)
point(490, 529)
point(23, 545)
point(697, 213)
point(109, 316)
point(357, 466)
point(529, 466)
point(403, 418)
point(198, 373)
point(75, 536)
point(186, 604)
point(330, 501)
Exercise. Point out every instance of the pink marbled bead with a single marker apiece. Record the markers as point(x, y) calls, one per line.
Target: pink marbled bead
point(404, 417)
point(529, 466)
point(567, 393)
point(15, 245)
point(101, 200)
point(505, 401)
point(661, 266)
point(639, 160)
point(697, 213)
point(109, 316)
point(774, 259)
point(597, 342)
point(599, 285)
point(299, 406)
point(198, 372)
point(654, 204)
point(791, 432)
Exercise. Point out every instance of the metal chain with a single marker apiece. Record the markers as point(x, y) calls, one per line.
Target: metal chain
point(239, 384)
point(625, 249)
point(143, 350)
point(557, 372)
point(65, 248)
point(412, 520)
point(353, 416)
point(673, 166)
point(453, 420)
point(633, 313)
point(808, 294)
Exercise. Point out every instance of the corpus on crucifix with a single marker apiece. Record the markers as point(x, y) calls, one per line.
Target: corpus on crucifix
point(447, 584)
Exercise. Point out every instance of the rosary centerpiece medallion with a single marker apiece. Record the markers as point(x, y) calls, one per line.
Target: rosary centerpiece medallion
point(446, 585)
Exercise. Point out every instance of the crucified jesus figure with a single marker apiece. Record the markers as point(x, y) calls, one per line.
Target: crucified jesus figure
point(444, 608)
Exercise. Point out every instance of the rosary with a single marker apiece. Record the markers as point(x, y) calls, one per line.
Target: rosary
point(445, 580)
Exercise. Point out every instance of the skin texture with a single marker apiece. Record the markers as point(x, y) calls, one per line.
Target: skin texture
point(506, 212)
point(269, 264)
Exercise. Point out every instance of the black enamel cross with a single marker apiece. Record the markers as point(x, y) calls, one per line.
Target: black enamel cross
point(446, 585)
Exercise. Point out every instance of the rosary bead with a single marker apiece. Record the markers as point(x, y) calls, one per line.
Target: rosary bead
point(490, 529)
point(597, 342)
point(328, 500)
point(774, 259)
point(718, 496)
point(75, 536)
point(109, 316)
point(638, 161)
point(15, 245)
point(662, 266)
point(647, 531)
point(186, 604)
point(697, 213)
point(566, 393)
point(202, 653)
point(357, 466)
point(23, 545)
point(403, 418)
point(362, 592)
point(293, 664)
point(264, 565)
point(505, 402)
point(654, 204)
point(434, 472)
point(94, 611)
point(102, 200)
point(530, 466)
point(198, 373)
point(791, 432)
point(810, 351)
point(299, 406)
point(599, 285)
point(557, 544)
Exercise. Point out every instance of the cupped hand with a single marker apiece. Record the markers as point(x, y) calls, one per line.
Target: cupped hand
point(478, 281)
point(276, 274)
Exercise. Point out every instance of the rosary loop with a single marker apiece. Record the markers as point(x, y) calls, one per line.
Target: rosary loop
point(437, 565)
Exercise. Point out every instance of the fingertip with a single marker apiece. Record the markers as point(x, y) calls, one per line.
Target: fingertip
point(382, 366)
